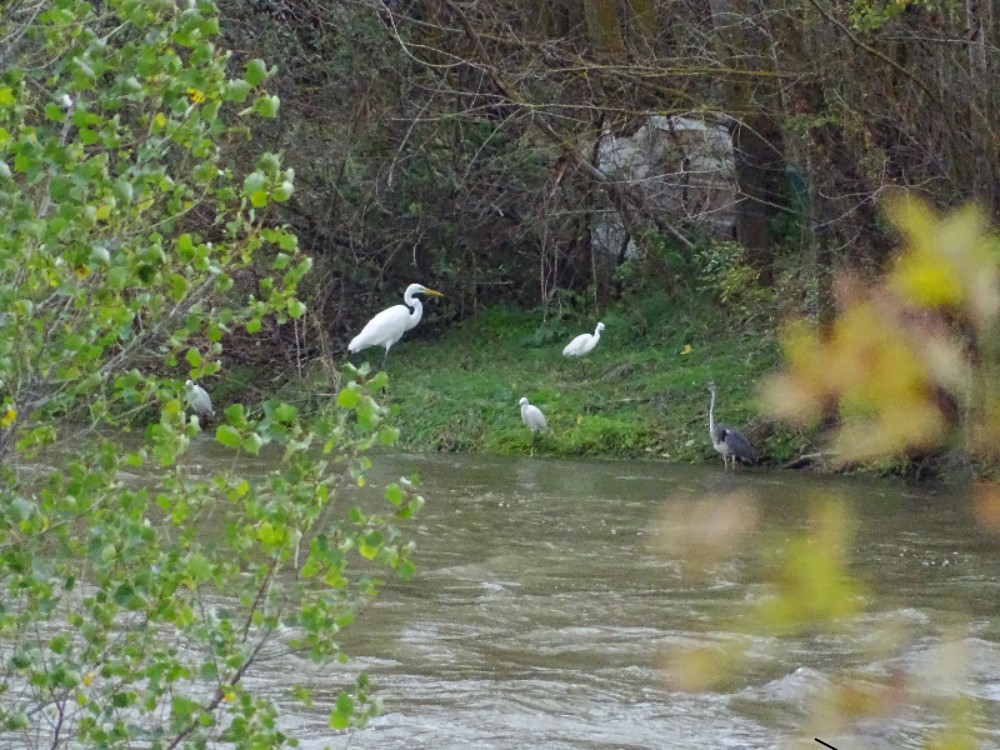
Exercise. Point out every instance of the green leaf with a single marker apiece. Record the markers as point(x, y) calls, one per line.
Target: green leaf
point(252, 443)
point(255, 71)
point(198, 567)
point(266, 106)
point(236, 90)
point(370, 544)
point(348, 398)
point(286, 413)
point(99, 254)
point(271, 535)
point(343, 711)
point(123, 595)
point(228, 436)
point(254, 182)
point(394, 494)
point(283, 191)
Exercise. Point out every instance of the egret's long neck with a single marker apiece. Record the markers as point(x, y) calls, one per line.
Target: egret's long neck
point(416, 308)
point(597, 333)
point(711, 416)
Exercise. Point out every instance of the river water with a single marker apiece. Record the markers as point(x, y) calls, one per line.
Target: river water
point(544, 607)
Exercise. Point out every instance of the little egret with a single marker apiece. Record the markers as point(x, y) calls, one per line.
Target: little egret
point(729, 443)
point(388, 327)
point(198, 400)
point(532, 416)
point(583, 343)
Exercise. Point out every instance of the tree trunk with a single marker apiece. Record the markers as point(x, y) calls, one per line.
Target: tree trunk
point(760, 165)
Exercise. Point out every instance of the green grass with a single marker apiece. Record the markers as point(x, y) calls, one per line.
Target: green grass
point(636, 394)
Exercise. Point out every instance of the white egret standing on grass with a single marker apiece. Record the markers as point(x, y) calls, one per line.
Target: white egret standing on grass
point(533, 419)
point(532, 416)
point(583, 343)
point(729, 443)
point(199, 400)
point(388, 327)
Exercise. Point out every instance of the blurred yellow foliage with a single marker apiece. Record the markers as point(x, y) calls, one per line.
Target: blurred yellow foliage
point(909, 363)
point(703, 531)
point(898, 364)
point(950, 262)
point(812, 586)
point(697, 669)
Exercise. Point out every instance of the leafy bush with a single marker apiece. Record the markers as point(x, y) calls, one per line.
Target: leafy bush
point(135, 593)
point(725, 274)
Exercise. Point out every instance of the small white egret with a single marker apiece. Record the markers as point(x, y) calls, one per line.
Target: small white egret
point(199, 401)
point(532, 416)
point(388, 327)
point(729, 443)
point(583, 343)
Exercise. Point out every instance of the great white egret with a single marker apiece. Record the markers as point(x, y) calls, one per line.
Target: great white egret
point(199, 400)
point(583, 343)
point(729, 443)
point(388, 327)
point(532, 417)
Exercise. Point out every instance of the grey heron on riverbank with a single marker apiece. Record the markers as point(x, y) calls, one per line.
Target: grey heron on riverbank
point(729, 443)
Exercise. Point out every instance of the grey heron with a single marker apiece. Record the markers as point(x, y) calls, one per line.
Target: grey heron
point(729, 443)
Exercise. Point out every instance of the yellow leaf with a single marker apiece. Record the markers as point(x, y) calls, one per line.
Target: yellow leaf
point(950, 262)
point(8, 418)
point(160, 120)
point(927, 280)
point(103, 212)
point(687, 349)
point(6, 96)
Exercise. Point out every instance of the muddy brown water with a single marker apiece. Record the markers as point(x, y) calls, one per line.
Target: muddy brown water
point(542, 608)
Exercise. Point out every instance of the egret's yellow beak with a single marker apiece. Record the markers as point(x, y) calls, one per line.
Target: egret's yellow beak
point(432, 291)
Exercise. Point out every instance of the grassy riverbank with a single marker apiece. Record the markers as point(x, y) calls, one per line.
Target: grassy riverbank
point(641, 392)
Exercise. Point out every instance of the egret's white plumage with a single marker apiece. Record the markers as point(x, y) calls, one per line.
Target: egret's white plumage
point(532, 416)
point(388, 327)
point(199, 400)
point(583, 343)
point(729, 443)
